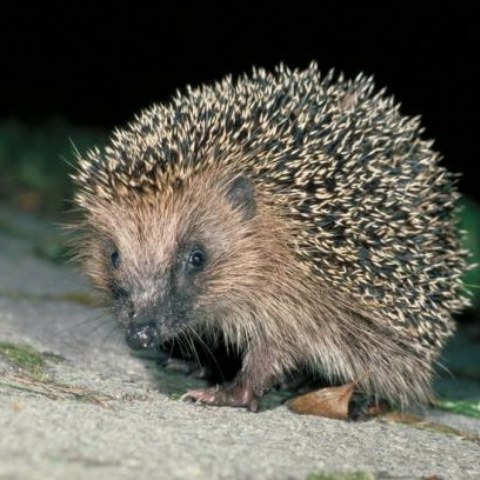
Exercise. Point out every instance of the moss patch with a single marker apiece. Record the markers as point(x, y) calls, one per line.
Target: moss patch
point(33, 376)
point(27, 359)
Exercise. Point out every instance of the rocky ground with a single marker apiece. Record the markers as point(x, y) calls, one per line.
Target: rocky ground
point(75, 403)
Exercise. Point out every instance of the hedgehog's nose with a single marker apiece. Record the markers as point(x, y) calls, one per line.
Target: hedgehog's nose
point(141, 335)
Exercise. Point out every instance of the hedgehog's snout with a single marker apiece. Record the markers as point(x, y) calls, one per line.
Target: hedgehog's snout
point(140, 310)
point(143, 335)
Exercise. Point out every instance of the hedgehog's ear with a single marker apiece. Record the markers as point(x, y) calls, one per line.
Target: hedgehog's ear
point(241, 195)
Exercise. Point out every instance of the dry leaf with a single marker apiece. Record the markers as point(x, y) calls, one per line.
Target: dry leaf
point(330, 402)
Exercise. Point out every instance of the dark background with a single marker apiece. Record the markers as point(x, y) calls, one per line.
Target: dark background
point(98, 65)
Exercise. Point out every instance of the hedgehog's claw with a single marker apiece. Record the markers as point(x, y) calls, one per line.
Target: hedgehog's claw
point(231, 395)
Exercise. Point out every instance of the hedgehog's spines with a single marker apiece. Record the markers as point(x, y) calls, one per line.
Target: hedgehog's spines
point(372, 207)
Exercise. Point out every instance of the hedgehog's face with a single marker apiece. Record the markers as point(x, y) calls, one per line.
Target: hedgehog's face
point(173, 264)
point(155, 307)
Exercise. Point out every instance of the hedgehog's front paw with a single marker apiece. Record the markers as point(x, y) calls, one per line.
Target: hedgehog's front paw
point(231, 396)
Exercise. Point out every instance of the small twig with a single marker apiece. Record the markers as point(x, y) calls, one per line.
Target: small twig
point(55, 391)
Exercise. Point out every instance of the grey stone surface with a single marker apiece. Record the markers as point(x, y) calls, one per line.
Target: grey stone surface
point(140, 429)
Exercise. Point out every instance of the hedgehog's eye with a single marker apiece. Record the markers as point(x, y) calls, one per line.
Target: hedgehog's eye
point(196, 260)
point(115, 257)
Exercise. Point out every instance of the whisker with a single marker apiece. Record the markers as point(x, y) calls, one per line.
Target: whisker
point(208, 351)
point(59, 334)
point(109, 334)
point(193, 350)
point(99, 326)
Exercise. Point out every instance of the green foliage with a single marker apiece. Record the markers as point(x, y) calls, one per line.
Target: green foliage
point(469, 408)
point(470, 223)
point(34, 162)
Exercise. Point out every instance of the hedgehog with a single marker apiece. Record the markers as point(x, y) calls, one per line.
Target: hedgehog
point(296, 217)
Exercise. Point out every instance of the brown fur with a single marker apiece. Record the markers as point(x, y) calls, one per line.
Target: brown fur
point(260, 296)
